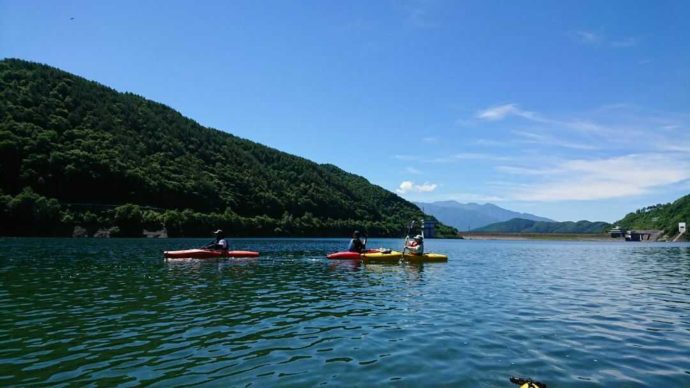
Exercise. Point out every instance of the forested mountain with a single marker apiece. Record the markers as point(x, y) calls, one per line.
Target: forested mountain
point(661, 216)
point(518, 225)
point(74, 152)
point(469, 216)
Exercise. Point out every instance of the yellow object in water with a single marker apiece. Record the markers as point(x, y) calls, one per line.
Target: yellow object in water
point(383, 255)
point(527, 383)
point(531, 384)
point(425, 257)
point(387, 255)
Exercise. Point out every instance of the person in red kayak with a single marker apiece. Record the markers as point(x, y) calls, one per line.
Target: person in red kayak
point(220, 242)
point(416, 245)
point(357, 245)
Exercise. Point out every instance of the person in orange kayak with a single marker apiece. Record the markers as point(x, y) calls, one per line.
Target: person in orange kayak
point(416, 245)
point(219, 243)
point(357, 245)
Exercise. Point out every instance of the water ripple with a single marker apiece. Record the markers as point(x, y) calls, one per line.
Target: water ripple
point(113, 312)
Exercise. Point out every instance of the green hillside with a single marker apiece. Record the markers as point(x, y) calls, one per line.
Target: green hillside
point(661, 216)
point(74, 152)
point(519, 225)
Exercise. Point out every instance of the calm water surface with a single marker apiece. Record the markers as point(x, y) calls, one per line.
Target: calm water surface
point(112, 312)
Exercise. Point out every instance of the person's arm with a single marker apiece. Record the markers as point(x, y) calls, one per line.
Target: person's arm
point(351, 247)
point(209, 245)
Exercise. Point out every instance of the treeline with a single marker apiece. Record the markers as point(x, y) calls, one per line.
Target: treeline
point(520, 225)
point(660, 216)
point(47, 217)
point(70, 140)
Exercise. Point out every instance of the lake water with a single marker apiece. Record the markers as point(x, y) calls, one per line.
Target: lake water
point(566, 313)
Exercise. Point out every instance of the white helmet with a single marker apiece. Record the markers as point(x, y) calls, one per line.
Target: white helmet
point(419, 237)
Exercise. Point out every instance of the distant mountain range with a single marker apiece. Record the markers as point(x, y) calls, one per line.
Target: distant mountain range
point(471, 216)
point(518, 225)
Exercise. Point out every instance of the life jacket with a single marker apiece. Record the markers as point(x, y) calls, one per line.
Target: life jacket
point(356, 245)
point(222, 244)
point(419, 247)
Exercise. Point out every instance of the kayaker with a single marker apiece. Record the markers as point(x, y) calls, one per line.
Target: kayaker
point(416, 245)
point(220, 242)
point(356, 245)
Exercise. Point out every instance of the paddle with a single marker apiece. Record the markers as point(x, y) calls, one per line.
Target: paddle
point(407, 236)
point(364, 246)
point(213, 244)
point(209, 245)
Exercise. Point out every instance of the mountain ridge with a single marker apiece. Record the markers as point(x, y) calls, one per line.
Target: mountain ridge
point(68, 140)
point(519, 225)
point(464, 216)
point(660, 217)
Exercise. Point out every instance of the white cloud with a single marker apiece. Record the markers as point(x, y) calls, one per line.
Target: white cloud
point(587, 37)
point(597, 39)
point(612, 127)
point(430, 139)
point(469, 156)
point(545, 140)
point(611, 151)
point(491, 143)
point(526, 171)
point(613, 177)
point(453, 158)
point(411, 187)
point(420, 13)
point(412, 170)
point(502, 111)
point(407, 157)
point(679, 147)
point(625, 42)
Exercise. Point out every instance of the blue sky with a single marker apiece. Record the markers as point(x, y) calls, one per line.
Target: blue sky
point(566, 109)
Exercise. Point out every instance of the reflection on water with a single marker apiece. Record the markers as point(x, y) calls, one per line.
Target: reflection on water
point(115, 312)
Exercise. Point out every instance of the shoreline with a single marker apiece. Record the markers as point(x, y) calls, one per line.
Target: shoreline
point(599, 237)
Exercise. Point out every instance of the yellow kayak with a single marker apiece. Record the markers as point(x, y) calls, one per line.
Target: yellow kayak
point(387, 255)
point(395, 255)
point(426, 257)
point(384, 255)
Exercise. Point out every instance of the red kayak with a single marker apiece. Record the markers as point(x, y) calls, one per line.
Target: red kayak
point(380, 253)
point(344, 256)
point(207, 254)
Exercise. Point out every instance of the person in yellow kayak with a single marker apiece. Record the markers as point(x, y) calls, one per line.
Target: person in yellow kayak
point(415, 245)
point(219, 243)
point(357, 245)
